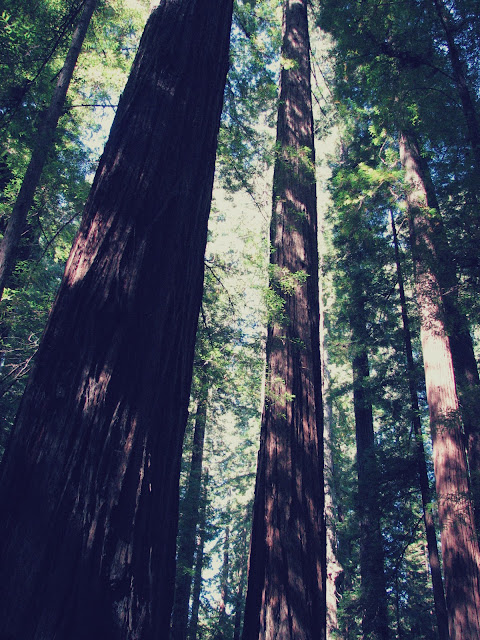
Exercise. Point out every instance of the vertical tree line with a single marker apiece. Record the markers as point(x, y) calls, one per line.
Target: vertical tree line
point(94, 486)
point(287, 572)
point(96, 446)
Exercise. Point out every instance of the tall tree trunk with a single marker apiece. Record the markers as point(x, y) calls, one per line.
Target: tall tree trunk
point(433, 557)
point(197, 577)
point(89, 483)
point(189, 521)
point(334, 568)
point(461, 557)
point(464, 363)
point(42, 145)
point(224, 587)
point(373, 583)
point(286, 583)
point(241, 580)
point(459, 74)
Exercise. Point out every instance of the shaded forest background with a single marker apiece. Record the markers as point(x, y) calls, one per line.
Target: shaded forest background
point(382, 73)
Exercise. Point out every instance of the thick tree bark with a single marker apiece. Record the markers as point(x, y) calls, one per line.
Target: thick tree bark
point(89, 483)
point(42, 145)
point(467, 380)
point(461, 557)
point(286, 583)
point(189, 521)
point(433, 557)
point(373, 583)
point(197, 578)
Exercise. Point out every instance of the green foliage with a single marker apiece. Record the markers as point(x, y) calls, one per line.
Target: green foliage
point(250, 93)
point(34, 41)
point(230, 339)
point(362, 269)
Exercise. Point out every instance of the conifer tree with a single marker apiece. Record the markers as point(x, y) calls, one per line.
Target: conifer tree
point(42, 144)
point(433, 555)
point(461, 556)
point(89, 490)
point(191, 512)
point(286, 583)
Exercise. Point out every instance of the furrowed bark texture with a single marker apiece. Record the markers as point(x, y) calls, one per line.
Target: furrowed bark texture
point(467, 380)
point(461, 558)
point(286, 584)
point(188, 523)
point(433, 557)
point(42, 146)
point(373, 583)
point(89, 484)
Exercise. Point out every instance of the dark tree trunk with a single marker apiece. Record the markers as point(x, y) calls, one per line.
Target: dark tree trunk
point(189, 521)
point(373, 584)
point(89, 483)
point(286, 583)
point(41, 148)
point(461, 557)
point(461, 83)
point(197, 578)
point(242, 572)
point(433, 557)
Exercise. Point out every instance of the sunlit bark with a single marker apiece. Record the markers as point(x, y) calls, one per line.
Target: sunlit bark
point(89, 483)
point(461, 558)
point(286, 584)
point(440, 262)
point(433, 557)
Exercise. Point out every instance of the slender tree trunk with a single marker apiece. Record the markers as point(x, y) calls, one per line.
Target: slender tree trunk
point(189, 521)
point(433, 557)
point(334, 569)
point(461, 557)
point(464, 363)
point(241, 581)
point(89, 483)
point(197, 578)
point(373, 583)
point(42, 145)
point(459, 74)
point(224, 588)
point(286, 583)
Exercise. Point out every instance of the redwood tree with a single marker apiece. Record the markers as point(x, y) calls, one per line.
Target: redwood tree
point(89, 483)
point(286, 583)
point(430, 533)
point(373, 583)
point(460, 551)
point(191, 512)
